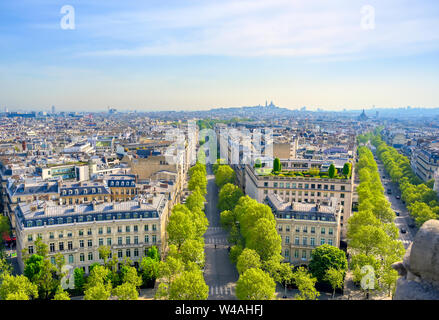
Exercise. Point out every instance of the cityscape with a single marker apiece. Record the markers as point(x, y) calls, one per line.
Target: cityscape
point(169, 167)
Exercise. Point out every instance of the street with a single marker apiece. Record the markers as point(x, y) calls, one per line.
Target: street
point(403, 220)
point(219, 273)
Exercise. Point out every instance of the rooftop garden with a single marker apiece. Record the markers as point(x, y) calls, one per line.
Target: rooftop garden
point(332, 172)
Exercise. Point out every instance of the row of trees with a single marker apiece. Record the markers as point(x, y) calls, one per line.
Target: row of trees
point(256, 250)
point(421, 200)
point(372, 234)
point(181, 273)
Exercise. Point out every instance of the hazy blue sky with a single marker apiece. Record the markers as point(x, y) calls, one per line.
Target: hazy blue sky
point(198, 54)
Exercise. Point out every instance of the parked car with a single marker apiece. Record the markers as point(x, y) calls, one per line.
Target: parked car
point(389, 191)
point(403, 230)
point(411, 225)
point(398, 197)
point(397, 213)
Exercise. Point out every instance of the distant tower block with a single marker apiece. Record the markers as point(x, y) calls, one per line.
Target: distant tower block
point(53, 109)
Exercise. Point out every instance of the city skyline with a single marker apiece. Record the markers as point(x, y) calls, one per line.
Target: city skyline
point(201, 55)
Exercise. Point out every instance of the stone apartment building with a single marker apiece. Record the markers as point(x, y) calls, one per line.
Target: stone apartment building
point(304, 226)
point(301, 189)
point(77, 231)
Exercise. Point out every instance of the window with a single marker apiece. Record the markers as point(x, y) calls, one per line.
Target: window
point(136, 228)
point(154, 238)
point(81, 232)
point(304, 254)
point(154, 228)
point(287, 239)
point(39, 236)
point(29, 237)
point(330, 242)
point(313, 229)
point(108, 229)
point(322, 230)
point(31, 249)
point(136, 252)
point(90, 256)
point(81, 243)
point(51, 221)
point(80, 218)
point(296, 254)
point(128, 253)
point(146, 239)
point(342, 188)
point(313, 241)
point(287, 228)
point(287, 253)
point(296, 240)
point(101, 241)
point(89, 218)
point(52, 260)
point(101, 230)
point(119, 229)
point(146, 227)
point(70, 245)
point(305, 229)
point(128, 240)
point(108, 241)
point(81, 257)
point(127, 229)
point(304, 241)
point(61, 246)
point(279, 227)
point(119, 254)
point(89, 232)
point(119, 240)
point(331, 231)
point(322, 241)
point(60, 235)
point(71, 260)
point(297, 228)
point(69, 234)
point(136, 239)
point(89, 243)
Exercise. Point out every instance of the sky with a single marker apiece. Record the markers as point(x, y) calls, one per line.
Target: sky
point(200, 54)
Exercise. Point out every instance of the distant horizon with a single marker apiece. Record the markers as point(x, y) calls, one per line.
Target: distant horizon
point(139, 110)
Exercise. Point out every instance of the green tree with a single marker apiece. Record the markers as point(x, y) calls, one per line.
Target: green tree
point(100, 291)
point(17, 288)
point(126, 291)
point(235, 252)
point(225, 174)
point(190, 285)
point(129, 275)
point(331, 171)
point(325, 257)
point(255, 284)
point(153, 253)
point(195, 201)
point(150, 270)
point(347, 169)
point(180, 226)
point(306, 285)
point(192, 250)
point(335, 278)
point(79, 278)
point(40, 271)
point(248, 258)
point(229, 196)
point(227, 219)
point(277, 166)
point(61, 294)
point(264, 239)
point(104, 253)
point(198, 180)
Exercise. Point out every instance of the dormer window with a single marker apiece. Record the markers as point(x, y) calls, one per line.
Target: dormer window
point(70, 191)
point(85, 191)
point(117, 183)
point(94, 190)
point(112, 183)
point(76, 191)
point(51, 221)
point(64, 192)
